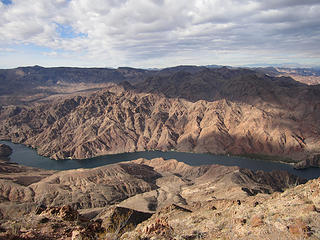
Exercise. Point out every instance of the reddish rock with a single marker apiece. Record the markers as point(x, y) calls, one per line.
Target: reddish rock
point(256, 221)
point(299, 228)
point(68, 213)
point(159, 227)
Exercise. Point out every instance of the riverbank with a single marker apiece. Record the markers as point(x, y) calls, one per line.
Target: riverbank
point(29, 157)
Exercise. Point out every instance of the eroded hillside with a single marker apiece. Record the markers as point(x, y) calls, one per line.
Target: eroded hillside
point(192, 109)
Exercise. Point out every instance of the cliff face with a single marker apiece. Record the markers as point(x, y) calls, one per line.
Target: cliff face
point(242, 113)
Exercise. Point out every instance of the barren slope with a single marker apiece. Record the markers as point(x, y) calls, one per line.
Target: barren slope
point(293, 214)
point(112, 200)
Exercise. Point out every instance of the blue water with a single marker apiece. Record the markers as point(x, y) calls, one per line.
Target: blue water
point(29, 157)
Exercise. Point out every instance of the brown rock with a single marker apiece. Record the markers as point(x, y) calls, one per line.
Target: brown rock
point(5, 150)
point(124, 219)
point(256, 221)
point(310, 208)
point(68, 213)
point(268, 219)
point(91, 231)
point(159, 227)
point(77, 235)
point(310, 162)
point(241, 221)
point(299, 228)
point(40, 209)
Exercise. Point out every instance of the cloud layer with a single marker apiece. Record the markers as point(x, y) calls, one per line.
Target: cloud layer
point(160, 32)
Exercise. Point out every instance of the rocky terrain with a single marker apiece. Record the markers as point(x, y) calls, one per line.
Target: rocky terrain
point(81, 113)
point(29, 85)
point(156, 199)
point(5, 151)
point(309, 162)
point(310, 76)
point(221, 111)
point(293, 214)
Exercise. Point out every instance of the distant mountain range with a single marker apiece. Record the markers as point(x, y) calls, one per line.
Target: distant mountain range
point(282, 65)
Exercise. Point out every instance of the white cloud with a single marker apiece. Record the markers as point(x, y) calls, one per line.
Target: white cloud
point(163, 32)
point(6, 50)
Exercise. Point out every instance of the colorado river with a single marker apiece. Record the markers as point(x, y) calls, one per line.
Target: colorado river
point(29, 157)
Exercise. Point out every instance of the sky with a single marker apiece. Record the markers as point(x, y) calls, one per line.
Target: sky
point(158, 33)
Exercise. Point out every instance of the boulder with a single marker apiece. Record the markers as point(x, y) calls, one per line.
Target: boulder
point(5, 150)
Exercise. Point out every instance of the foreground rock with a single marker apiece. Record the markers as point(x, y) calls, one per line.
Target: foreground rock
point(5, 150)
point(114, 200)
point(54, 223)
point(293, 214)
point(123, 220)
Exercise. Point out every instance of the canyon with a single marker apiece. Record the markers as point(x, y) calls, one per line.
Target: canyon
point(187, 109)
point(74, 113)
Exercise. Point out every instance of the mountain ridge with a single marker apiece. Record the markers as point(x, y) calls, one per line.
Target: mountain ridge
point(221, 111)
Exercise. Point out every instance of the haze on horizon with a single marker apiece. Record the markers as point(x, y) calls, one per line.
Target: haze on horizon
point(158, 33)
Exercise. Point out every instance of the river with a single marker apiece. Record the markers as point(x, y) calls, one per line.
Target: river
point(29, 157)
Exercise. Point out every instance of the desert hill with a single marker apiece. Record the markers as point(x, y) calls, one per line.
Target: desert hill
point(155, 198)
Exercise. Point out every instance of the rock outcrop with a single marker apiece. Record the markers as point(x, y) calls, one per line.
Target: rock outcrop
point(293, 214)
point(309, 162)
point(5, 150)
point(123, 220)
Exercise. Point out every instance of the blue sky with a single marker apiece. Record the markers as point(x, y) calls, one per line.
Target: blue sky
point(6, 2)
point(158, 33)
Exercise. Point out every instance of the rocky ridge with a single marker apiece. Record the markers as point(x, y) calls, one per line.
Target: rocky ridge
point(219, 111)
point(155, 198)
point(293, 214)
point(29, 85)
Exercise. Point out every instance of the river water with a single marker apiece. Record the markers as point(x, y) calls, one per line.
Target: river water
point(29, 157)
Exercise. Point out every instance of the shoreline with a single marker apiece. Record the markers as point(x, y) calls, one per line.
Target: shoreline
point(262, 157)
point(27, 156)
point(258, 157)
